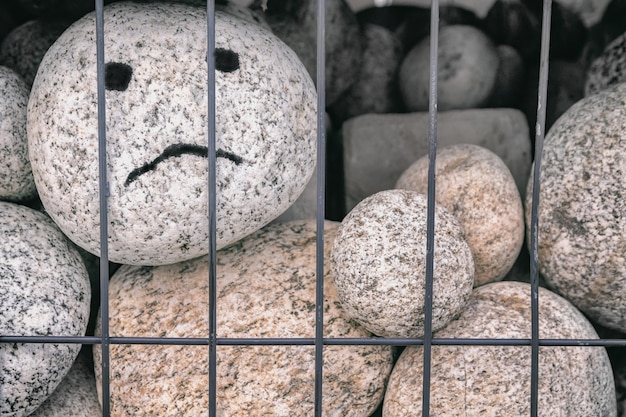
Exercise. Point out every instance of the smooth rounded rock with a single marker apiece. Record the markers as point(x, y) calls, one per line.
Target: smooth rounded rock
point(156, 94)
point(476, 186)
point(44, 291)
point(609, 68)
point(379, 264)
point(582, 209)
point(16, 177)
point(575, 381)
point(265, 288)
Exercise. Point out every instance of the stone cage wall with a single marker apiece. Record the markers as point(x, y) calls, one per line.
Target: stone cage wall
point(439, 230)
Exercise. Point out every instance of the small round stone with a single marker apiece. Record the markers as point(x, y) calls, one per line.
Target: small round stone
point(44, 291)
point(379, 264)
point(265, 288)
point(156, 95)
point(574, 381)
point(16, 177)
point(582, 207)
point(477, 187)
point(468, 66)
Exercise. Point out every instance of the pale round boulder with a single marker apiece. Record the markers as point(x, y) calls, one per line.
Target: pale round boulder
point(16, 177)
point(44, 291)
point(476, 186)
point(574, 381)
point(379, 264)
point(156, 95)
point(265, 288)
point(468, 68)
point(582, 208)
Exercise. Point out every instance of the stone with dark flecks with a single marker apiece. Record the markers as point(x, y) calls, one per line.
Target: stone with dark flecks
point(44, 291)
point(157, 122)
point(265, 288)
point(379, 264)
point(16, 177)
point(582, 207)
point(609, 68)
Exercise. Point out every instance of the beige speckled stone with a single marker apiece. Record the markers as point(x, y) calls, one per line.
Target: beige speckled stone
point(468, 381)
point(266, 288)
point(477, 187)
point(379, 264)
point(582, 208)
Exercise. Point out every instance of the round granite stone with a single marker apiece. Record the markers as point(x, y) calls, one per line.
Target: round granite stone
point(582, 208)
point(44, 291)
point(609, 68)
point(477, 187)
point(156, 95)
point(574, 381)
point(468, 67)
point(16, 177)
point(265, 288)
point(379, 264)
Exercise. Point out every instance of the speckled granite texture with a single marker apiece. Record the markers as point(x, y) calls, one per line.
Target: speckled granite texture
point(156, 91)
point(379, 264)
point(582, 208)
point(16, 177)
point(609, 68)
point(44, 290)
point(76, 396)
point(266, 288)
point(490, 381)
point(468, 65)
point(476, 186)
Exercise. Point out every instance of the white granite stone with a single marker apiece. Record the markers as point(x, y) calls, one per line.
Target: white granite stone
point(44, 290)
point(582, 209)
point(495, 380)
point(265, 288)
point(379, 264)
point(378, 148)
point(609, 68)
point(16, 177)
point(157, 131)
point(468, 67)
point(476, 186)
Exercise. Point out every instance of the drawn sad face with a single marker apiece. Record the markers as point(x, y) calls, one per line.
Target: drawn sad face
point(156, 128)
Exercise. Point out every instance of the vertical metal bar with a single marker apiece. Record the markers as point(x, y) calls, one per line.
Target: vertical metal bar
point(212, 208)
point(430, 226)
point(103, 188)
point(534, 253)
point(321, 179)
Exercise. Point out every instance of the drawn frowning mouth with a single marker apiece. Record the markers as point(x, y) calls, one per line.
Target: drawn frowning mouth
point(180, 149)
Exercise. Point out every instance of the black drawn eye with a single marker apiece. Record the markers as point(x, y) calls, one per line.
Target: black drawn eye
point(226, 60)
point(117, 76)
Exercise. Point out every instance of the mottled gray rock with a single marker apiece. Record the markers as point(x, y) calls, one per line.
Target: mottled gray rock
point(76, 396)
point(16, 177)
point(265, 288)
point(609, 68)
point(582, 209)
point(378, 148)
point(468, 67)
point(44, 291)
point(157, 131)
point(575, 381)
point(379, 264)
point(476, 186)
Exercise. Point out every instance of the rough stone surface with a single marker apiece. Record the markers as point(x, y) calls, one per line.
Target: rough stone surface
point(476, 186)
point(76, 396)
point(495, 380)
point(379, 264)
point(468, 66)
point(44, 290)
point(157, 131)
point(16, 177)
point(265, 288)
point(582, 209)
point(377, 149)
point(609, 68)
